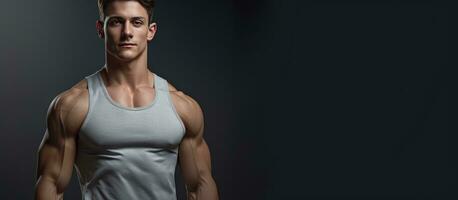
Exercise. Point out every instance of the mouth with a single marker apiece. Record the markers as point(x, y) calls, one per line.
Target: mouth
point(127, 45)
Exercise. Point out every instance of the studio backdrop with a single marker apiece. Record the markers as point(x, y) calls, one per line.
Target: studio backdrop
point(301, 99)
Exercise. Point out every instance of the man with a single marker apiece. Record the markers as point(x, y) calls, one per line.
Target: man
point(124, 127)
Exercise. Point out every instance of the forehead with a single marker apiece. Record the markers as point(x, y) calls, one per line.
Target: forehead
point(126, 9)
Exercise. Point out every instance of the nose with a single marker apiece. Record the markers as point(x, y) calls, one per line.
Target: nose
point(127, 30)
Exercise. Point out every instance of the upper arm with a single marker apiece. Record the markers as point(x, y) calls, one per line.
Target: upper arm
point(56, 153)
point(194, 154)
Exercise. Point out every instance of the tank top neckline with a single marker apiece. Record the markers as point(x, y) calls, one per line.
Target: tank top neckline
point(113, 102)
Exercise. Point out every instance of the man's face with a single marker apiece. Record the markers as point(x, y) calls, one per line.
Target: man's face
point(126, 30)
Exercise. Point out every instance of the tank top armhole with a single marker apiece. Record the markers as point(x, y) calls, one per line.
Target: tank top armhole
point(166, 90)
point(90, 96)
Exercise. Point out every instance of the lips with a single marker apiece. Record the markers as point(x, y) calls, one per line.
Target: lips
point(127, 44)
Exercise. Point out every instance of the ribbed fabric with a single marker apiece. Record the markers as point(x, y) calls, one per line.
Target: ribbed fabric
point(128, 153)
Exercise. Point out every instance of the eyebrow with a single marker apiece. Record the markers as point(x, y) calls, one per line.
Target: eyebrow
point(119, 17)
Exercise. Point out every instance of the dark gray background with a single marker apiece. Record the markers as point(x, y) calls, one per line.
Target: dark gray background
point(303, 100)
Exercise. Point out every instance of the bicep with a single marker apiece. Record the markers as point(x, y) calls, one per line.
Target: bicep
point(55, 160)
point(194, 154)
point(194, 160)
point(56, 151)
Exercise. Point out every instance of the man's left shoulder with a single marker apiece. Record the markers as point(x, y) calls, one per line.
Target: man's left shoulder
point(186, 106)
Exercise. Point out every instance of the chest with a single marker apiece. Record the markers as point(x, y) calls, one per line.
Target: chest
point(129, 98)
point(108, 128)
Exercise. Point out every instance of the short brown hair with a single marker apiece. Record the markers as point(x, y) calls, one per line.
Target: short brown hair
point(147, 4)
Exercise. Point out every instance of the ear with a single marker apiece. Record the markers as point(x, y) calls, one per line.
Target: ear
point(99, 28)
point(152, 28)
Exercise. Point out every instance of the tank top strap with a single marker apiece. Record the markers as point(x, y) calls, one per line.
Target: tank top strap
point(92, 83)
point(161, 83)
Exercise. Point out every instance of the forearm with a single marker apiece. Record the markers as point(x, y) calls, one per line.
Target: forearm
point(206, 190)
point(47, 190)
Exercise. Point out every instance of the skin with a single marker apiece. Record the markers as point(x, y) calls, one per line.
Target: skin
point(128, 80)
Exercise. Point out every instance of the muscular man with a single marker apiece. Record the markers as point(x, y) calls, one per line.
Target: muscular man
point(124, 128)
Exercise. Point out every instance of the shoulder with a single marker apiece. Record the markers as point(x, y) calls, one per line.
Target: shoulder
point(188, 109)
point(70, 107)
point(186, 104)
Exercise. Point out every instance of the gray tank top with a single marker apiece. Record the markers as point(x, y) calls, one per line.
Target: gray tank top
point(128, 153)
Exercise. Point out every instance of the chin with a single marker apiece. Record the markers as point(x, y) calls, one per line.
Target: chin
point(125, 55)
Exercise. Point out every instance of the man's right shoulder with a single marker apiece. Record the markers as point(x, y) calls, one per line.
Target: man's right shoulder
point(72, 97)
point(71, 106)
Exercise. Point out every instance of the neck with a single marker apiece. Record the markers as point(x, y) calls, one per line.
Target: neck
point(132, 73)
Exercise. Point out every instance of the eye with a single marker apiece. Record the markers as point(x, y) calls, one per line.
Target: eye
point(138, 22)
point(114, 22)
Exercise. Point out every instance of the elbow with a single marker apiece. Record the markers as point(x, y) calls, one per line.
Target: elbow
point(203, 189)
point(46, 188)
point(202, 180)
